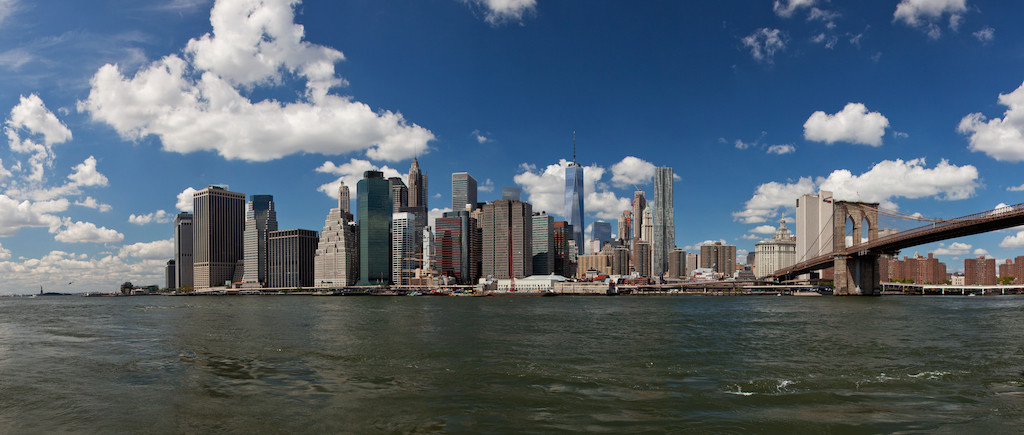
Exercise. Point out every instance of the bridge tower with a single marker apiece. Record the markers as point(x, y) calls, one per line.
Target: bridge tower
point(856, 273)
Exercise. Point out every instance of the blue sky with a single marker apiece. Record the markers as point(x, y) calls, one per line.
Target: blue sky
point(113, 109)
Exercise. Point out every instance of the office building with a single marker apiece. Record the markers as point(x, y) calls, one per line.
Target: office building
point(170, 271)
point(647, 231)
point(507, 246)
point(543, 244)
point(344, 200)
point(692, 261)
point(596, 264)
point(454, 246)
point(428, 248)
point(775, 253)
point(399, 194)
point(183, 251)
point(337, 254)
point(375, 210)
point(260, 219)
point(677, 263)
point(565, 256)
point(511, 193)
point(620, 259)
point(626, 229)
point(814, 225)
point(403, 247)
point(463, 192)
point(980, 271)
point(292, 255)
point(639, 207)
point(217, 234)
point(642, 258)
point(574, 201)
point(418, 195)
point(663, 220)
point(602, 232)
point(718, 257)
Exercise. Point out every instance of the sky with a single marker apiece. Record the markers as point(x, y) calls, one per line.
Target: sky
point(114, 111)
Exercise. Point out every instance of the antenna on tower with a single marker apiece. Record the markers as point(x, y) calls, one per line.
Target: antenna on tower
point(574, 146)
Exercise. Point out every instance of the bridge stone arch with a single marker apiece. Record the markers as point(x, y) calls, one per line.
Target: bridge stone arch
point(856, 274)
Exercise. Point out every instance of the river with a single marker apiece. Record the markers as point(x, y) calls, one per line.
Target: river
point(286, 364)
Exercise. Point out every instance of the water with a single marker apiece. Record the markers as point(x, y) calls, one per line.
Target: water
point(261, 364)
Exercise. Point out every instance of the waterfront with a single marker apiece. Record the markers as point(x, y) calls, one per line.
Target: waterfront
point(308, 364)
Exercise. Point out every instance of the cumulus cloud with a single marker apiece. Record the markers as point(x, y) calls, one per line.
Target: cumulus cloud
point(15, 214)
point(32, 118)
point(696, 247)
point(159, 216)
point(887, 180)
point(86, 232)
point(1015, 188)
point(986, 34)
point(763, 229)
point(156, 250)
point(632, 171)
point(90, 202)
point(435, 213)
point(185, 200)
point(1000, 138)
point(350, 173)
point(545, 189)
point(853, 124)
point(480, 138)
point(195, 101)
point(503, 11)
point(486, 186)
point(980, 252)
point(57, 269)
point(1015, 241)
point(785, 8)
point(781, 149)
point(955, 248)
point(764, 42)
point(924, 14)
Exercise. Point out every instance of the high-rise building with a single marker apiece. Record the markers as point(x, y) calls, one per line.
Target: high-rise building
point(664, 221)
point(428, 248)
point(375, 211)
point(677, 263)
point(721, 258)
point(692, 261)
point(183, 251)
point(775, 253)
point(507, 239)
point(463, 192)
point(399, 193)
point(620, 259)
point(916, 269)
point(565, 256)
point(260, 219)
point(980, 271)
point(626, 229)
point(647, 231)
point(814, 225)
point(344, 200)
point(417, 186)
point(403, 247)
point(170, 274)
point(454, 246)
point(574, 200)
point(543, 244)
point(602, 232)
point(291, 258)
point(217, 229)
point(639, 207)
point(513, 193)
point(642, 258)
point(337, 253)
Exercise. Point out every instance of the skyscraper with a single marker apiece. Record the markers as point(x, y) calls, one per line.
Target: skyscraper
point(170, 274)
point(218, 225)
point(403, 247)
point(291, 262)
point(513, 193)
point(260, 219)
point(574, 200)
point(453, 246)
point(602, 234)
point(337, 253)
point(506, 221)
point(565, 256)
point(399, 194)
point(183, 250)
point(639, 205)
point(374, 193)
point(417, 186)
point(814, 225)
point(775, 253)
point(663, 220)
point(344, 200)
point(463, 191)
point(543, 244)
point(626, 229)
point(721, 258)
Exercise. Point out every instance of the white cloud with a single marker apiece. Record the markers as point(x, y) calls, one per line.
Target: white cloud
point(185, 199)
point(480, 138)
point(65, 271)
point(1000, 138)
point(545, 190)
point(986, 34)
point(156, 250)
point(350, 173)
point(1015, 241)
point(924, 14)
point(980, 252)
point(1015, 188)
point(763, 229)
point(85, 174)
point(91, 202)
point(503, 11)
point(32, 117)
point(781, 149)
point(853, 124)
point(486, 186)
point(159, 216)
point(751, 237)
point(86, 232)
point(955, 248)
point(785, 8)
point(195, 102)
point(5, 253)
point(632, 171)
point(764, 42)
point(435, 213)
point(15, 215)
point(696, 247)
point(885, 181)
point(7, 7)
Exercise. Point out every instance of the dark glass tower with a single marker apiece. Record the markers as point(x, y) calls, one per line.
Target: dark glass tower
point(574, 199)
point(374, 192)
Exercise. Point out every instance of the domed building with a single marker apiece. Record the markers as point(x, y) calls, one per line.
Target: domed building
point(775, 253)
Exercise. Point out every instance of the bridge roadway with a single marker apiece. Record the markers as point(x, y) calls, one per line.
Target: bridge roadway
point(991, 220)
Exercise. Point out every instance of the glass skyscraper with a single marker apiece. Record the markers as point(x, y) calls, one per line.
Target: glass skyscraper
point(463, 191)
point(574, 202)
point(602, 234)
point(374, 192)
point(260, 219)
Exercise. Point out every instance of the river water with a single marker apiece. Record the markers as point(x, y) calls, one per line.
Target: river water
point(286, 364)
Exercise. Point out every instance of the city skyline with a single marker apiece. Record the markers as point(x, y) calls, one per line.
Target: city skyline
point(114, 115)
